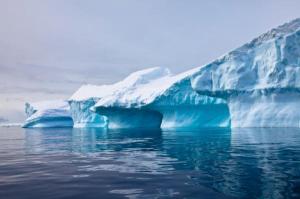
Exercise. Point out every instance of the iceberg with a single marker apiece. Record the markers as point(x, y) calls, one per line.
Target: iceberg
point(161, 101)
point(44, 114)
point(87, 96)
point(260, 81)
point(3, 120)
point(255, 85)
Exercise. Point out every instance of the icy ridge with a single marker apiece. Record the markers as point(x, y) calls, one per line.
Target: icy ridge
point(269, 62)
point(260, 80)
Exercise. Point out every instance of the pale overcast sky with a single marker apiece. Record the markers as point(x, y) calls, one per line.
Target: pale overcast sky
point(48, 48)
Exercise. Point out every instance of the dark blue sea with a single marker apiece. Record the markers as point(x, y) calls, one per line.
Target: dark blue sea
point(94, 163)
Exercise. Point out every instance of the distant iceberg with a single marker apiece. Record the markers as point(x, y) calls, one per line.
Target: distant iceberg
point(6, 123)
point(3, 120)
point(260, 80)
point(48, 114)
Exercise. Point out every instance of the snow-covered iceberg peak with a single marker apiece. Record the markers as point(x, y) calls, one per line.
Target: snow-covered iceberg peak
point(53, 113)
point(142, 77)
point(168, 101)
point(259, 80)
point(87, 96)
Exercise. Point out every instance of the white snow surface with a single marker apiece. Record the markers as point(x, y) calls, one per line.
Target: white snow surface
point(139, 95)
point(133, 80)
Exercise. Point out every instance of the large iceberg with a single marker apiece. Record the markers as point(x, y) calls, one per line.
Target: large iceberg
point(260, 80)
point(54, 113)
point(256, 85)
point(167, 101)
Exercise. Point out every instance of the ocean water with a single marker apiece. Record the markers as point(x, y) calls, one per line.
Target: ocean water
point(94, 163)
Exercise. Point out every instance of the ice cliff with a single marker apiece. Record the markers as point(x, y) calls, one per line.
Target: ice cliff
point(48, 114)
point(81, 102)
point(167, 101)
point(86, 97)
point(260, 80)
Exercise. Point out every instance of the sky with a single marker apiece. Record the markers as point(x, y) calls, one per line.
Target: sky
point(49, 48)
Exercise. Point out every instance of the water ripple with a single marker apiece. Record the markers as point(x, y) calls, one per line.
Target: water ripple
point(94, 163)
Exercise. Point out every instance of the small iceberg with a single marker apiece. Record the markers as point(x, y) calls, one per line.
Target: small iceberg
point(44, 114)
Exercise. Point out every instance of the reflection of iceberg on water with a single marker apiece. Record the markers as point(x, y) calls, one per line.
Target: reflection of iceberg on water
point(132, 151)
point(226, 160)
point(260, 154)
point(234, 161)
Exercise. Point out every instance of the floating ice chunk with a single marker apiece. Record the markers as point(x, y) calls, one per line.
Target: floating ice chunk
point(48, 114)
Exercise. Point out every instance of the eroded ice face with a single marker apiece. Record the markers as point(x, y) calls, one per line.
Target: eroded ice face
point(260, 80)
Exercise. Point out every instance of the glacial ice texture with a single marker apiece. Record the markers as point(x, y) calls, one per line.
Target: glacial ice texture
point(167, 102)
point(86, 96)
point(83, 117)
point(48, 114)
point(259, 80)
